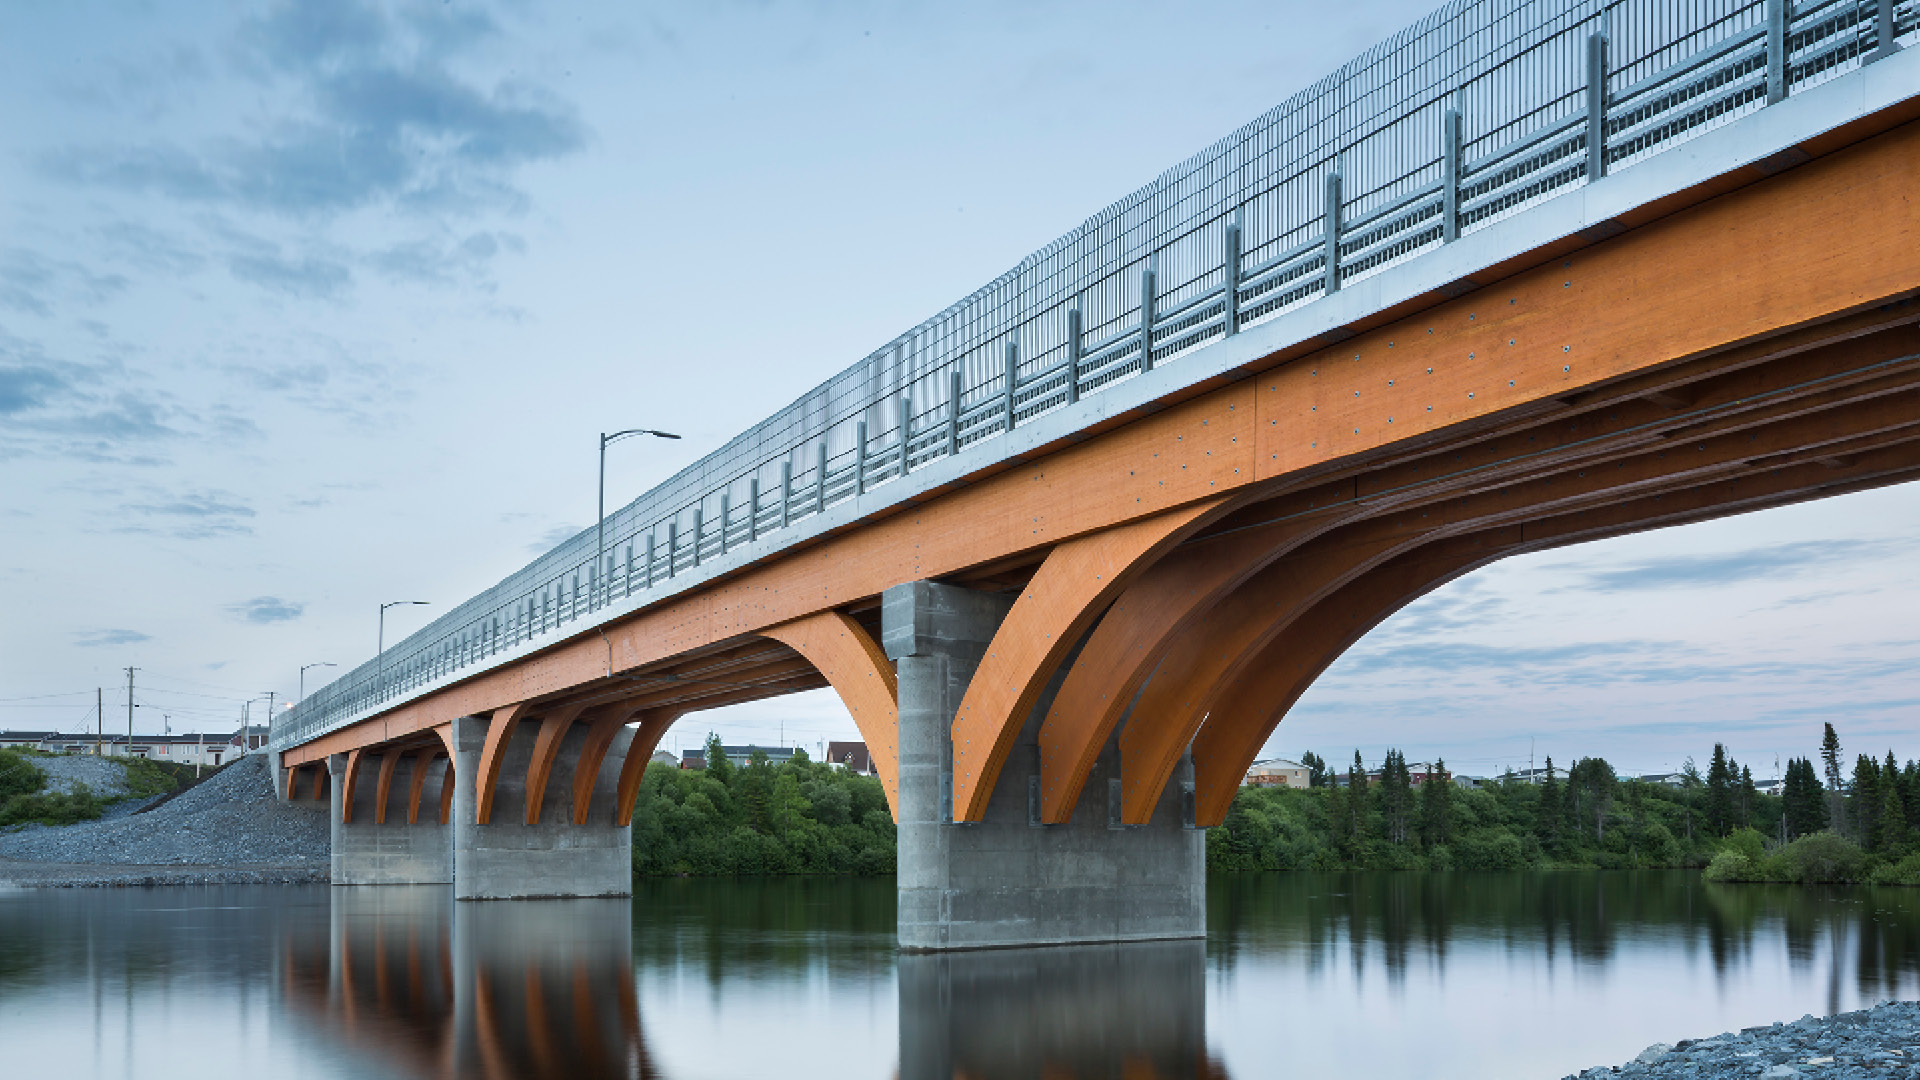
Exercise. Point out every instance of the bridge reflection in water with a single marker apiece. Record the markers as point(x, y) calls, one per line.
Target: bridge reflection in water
point(424, 987)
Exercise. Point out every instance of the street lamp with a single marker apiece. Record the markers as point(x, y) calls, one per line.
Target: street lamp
point(600, 523)
point(380, 653)
point(303, 676)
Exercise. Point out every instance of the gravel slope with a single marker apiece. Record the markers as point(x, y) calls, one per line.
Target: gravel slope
point(231, 821)
point(1883, 1041)
point(107, 778)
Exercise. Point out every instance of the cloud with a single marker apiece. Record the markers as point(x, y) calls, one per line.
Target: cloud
point(23, 388)
point(305, 278)
point(37, 285)
point(193, 516)
point(1691, 571)
point(553, 538)
point(95, 638)
point(267, 609)
point(379, 118)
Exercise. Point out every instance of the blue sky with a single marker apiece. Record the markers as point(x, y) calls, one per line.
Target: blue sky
point(304, 307)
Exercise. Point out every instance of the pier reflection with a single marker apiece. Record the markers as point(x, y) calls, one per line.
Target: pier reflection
point(423, 987)
point(1134, 1010)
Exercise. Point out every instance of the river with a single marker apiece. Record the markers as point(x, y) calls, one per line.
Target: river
point(1531, 975)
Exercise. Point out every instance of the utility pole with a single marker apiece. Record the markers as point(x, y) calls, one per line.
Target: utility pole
point(270, 716)
point(99, 716)
point(130, 672)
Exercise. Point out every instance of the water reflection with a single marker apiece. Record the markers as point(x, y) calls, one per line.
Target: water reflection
point(1522, 975)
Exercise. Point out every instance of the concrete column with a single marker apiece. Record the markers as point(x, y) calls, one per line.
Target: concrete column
point(394, 853)
point(507, 859)
point(1006, 880)
point(1087, 1010)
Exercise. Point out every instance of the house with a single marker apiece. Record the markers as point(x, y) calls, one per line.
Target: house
point(187, 748)
point(1672, 780)
point(1278, 772)
point(31, 740)
point(851, 756)
point(661, 757)
point(741, 756)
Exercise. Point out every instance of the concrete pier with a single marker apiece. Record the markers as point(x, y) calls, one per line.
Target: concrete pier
point(369, 851)
point(1006, 880)
point(507, 859)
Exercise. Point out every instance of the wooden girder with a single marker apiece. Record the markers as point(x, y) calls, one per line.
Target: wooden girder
point(546, 747)
point(853, 663)
point(1247, 711)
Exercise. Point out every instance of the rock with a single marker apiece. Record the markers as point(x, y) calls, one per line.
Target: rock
point(1653, 1053)
point(1779, 1072)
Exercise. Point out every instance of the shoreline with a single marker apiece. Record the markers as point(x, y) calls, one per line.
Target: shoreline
point(19, 874)
point(1883, 1040)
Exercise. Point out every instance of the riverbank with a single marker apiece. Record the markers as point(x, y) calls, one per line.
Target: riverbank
point(1876, 1042)
point(228, 830)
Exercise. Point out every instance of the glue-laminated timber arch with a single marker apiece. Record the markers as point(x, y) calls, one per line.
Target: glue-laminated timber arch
point(423, 761)
point(1246, 712)
point(383, 784)
point(1193, 675)
point(859, 671)
point(603, 724)
point(546, 747)
point(1074, 584)
point(348, 779)
point(634, 768)
point(499, 732)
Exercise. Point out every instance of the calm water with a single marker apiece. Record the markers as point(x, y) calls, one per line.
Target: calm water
point(1495, 975)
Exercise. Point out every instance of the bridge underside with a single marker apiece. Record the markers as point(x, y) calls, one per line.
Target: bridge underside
point(1163, 592)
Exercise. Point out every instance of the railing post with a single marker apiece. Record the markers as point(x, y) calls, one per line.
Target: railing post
point(699, 528)
point(1596, 106)
point(673, 544)
point(1450, 186)
point(626, 579)
point(953, 412)
point(786, 490)
point(1883, 43)
point(1776, 51)
point(820, 478)
point(753, 510)
point(1146, 320)
point(1230, 288)
point(1333, 233)
point(1013, 381)
point(649, 571)
point(1073, 355)
point(906, 435)
point(860, 457)
point(726, 518)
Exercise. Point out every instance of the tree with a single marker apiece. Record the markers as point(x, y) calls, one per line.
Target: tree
point(1356, 803)
point(1863, 802)
point(1436, 806)
point(1549, 813)
point(1748, 800)
point(1830, 757)
point(1719, 793)
point(1396, 796)
point(1317, 772)
point(715, 761)
point(1595, 781)
point(1805, 802)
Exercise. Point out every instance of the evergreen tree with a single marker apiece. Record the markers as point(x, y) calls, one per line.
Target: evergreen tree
point(1805, 801)
point(1396, 796)
point(1436, 806)
point(1830, 758)
point(1719, 793)
point(716, 762)
point(1863, 802)
point(1749, 799)
point(1893, 820)
point(1357, 802)
point(1317, 774)
point(1597, 784)
point(1550, 811)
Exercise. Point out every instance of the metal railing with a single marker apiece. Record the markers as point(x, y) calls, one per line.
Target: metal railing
point(1484, 108)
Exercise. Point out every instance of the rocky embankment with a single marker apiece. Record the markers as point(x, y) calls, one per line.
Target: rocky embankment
point(1883, 1041)
point(227, 830)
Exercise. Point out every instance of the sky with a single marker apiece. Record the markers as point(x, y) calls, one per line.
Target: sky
point(309, 306)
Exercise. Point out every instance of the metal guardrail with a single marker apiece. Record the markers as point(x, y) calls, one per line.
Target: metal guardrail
point(1477, 112)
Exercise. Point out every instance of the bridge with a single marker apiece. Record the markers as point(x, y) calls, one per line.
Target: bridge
point(1523, 276)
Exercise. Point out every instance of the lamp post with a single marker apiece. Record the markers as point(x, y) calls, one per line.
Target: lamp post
point(600, 521)
point(303, 676)
point(380, 652)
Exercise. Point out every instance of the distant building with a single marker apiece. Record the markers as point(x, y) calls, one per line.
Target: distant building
point(661, 757)
point(195, 748)
point(739, 755)
point(1470, 782)
point(31, 740)
point(851, 756)
point(1672, 780)
point(1278, 772)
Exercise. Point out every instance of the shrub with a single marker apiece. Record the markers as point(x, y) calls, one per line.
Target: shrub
point(52, 808)
point(1732, 865)
point(19, 776)
point(1823, 858)
point(1904, 872)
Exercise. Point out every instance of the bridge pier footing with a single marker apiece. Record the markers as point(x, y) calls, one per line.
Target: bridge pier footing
point(508, 859)
point(367, 851)
point(1006, 881)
